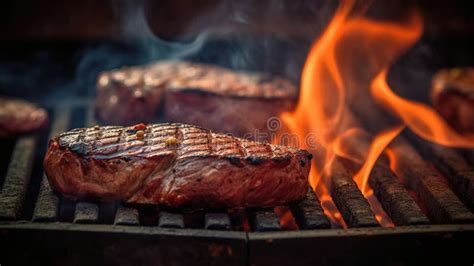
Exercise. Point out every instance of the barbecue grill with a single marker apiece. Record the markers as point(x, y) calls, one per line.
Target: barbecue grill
point(39, 226)
point(432, 212)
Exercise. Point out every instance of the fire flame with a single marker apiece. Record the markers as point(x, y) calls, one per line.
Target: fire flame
point(347, 67)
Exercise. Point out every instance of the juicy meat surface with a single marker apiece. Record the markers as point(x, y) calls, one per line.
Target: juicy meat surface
point(18, 117)
point(193, 93)
point(175, 165)
point(452, 95)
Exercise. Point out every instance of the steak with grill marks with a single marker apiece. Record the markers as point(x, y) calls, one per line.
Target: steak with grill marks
point(198, 94)
point(175, 165)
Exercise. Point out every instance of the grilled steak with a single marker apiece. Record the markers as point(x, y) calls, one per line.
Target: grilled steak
point(18, 116)
point(175, 165)
point(452, 95)
point(193, 93)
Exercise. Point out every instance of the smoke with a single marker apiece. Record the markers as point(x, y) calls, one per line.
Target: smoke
point(266, 36)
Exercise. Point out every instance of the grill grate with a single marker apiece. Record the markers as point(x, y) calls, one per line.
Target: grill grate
point(444, 195)
point(435, 197)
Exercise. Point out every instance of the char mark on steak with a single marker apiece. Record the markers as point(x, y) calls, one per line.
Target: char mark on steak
point(175, 165)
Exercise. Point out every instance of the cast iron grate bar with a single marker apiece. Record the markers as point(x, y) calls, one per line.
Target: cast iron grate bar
point(126, 216)
point(309, 214)
point(46, 209)
point(217, 221)
point(47, 203)
point(266, 220)
point(458, 172)
point(86, 213)
point(170, 220)
point(349, 200)
point(14, 188)
point(395, 200)
point(389, 191)
point(443, 206)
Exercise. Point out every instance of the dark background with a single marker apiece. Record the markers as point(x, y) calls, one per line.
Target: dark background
point(56, 48)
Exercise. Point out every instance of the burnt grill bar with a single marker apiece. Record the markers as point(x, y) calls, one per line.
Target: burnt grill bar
point(86, 213)
point(170, 220)
point(348, 198)
point(309, 214)
point(15, 185)
point(46, 209)
point(452, 165)
point(266, 220)
point(126, 216)
point(217, 221)
point(442, 204)
point(47, 204)
point(390, 192)
point(394, 198)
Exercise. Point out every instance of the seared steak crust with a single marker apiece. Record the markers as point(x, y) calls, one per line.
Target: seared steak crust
point(18, 116)
point(188, 92)
point(175, 165)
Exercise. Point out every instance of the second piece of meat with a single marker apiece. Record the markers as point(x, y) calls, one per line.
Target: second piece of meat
point(223, 100)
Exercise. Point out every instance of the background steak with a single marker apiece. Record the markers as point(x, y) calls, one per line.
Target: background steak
point(18, 116)
point(452, 95)
point(175, 165)
point(193, 93)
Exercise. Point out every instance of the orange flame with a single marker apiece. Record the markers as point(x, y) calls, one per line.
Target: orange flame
point(379, 144)
point(420, 118)
point(345, 67)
